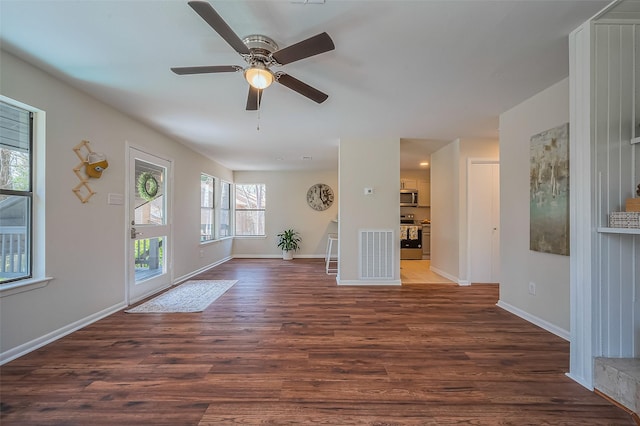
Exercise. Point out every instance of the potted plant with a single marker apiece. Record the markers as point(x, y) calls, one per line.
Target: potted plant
point(288, 241)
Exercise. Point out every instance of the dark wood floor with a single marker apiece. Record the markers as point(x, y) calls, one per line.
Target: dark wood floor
point(285, 345)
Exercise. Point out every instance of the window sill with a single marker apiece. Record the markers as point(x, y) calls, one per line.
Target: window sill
point(24, 285)
point(204, 243)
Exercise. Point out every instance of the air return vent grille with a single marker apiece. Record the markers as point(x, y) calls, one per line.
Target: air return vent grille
point(377, 247)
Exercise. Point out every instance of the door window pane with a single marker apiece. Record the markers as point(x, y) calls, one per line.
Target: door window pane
point(150, 190)
point(149, 258)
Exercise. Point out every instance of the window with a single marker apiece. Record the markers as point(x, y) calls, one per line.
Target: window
point(16, 192)
point(207, 216)
point(225, 210)
point(250, 208)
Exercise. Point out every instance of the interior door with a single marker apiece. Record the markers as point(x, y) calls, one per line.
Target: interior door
point(149, 225)
point(484, 222)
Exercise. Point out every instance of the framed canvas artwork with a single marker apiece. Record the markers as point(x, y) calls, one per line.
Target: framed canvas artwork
point(549, 191)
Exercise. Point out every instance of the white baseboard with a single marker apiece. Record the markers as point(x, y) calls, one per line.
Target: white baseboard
point(199, 271)
point(257, 256)
point(25, 348)
point(448, 276)
point(551, 328)
point(277, 256)
point(580, 380)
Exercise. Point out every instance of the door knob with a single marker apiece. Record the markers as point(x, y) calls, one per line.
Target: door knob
point(134, 233)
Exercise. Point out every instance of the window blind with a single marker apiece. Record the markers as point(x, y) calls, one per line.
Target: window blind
point(14, 127)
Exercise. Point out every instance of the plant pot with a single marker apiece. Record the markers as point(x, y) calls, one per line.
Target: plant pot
point(287, 255)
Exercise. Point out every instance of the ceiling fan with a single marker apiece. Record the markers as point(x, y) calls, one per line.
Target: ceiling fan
point(261, 53)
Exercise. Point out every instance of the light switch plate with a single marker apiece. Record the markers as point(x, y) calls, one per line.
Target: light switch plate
point(115, 199)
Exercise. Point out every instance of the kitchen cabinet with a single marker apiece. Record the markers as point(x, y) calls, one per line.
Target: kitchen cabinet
point(408, 184)
point(426, 240)
point(424, 193)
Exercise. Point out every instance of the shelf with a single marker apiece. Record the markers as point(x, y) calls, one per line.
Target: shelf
point(632, 231)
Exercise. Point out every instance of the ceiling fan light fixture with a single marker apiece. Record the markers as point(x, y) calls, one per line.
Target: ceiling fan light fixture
point(259, 76)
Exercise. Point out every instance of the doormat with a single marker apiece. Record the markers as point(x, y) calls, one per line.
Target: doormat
point(192, 296)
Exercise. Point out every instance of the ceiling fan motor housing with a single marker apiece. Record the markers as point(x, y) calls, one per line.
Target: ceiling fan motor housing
point(261, 47)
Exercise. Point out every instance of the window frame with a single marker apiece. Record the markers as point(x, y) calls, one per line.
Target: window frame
point(227, 208)
point(38, 207)
point(263, 210)
point(28, 194)
point(212, 209)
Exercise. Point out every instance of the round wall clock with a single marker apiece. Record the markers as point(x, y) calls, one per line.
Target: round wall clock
point(320, 196)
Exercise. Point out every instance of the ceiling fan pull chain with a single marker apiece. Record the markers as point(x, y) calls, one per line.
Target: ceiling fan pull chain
point(258, 127)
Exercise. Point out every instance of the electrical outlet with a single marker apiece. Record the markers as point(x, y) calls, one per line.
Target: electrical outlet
point(532, 288)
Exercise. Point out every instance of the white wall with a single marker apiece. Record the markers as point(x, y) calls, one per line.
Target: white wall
point(449, 204)
point(445, 210)
point(287, 208)
point(487, 149)
point(367, 164)
point(550, 306)
point(85, 243)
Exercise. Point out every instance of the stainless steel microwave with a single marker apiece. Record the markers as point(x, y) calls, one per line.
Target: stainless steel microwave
point(408, 198)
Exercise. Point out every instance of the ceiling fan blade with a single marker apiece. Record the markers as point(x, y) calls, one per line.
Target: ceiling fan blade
point(206, 69)
point(302, 88)
point(208, 13)
point(310, 47)
point(254, 98)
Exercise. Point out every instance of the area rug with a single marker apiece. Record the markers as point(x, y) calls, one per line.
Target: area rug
point(192, 296)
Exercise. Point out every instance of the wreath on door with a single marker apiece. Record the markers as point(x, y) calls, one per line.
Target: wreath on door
point(147, 186)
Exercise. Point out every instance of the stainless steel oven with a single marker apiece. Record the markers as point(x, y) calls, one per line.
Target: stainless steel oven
point(410, 238)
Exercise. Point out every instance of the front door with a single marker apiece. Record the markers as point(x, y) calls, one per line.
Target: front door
point(149, 248)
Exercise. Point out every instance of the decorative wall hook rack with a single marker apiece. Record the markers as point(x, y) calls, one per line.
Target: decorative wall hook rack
point(91, 165)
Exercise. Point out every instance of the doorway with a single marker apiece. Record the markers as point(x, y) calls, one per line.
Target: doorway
point(149, 225)
point(483, 223)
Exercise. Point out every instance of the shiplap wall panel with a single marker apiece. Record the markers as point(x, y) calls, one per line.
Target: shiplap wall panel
point(601, 96)
point(621, 283)
point(600, 159)
point(627, 304)
point(627, 74)
point(636, 159)
point(616, 163)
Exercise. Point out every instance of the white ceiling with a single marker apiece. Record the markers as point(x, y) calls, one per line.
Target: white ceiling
point(429, 69)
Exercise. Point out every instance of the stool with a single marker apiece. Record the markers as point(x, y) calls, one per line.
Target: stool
point(328, 257)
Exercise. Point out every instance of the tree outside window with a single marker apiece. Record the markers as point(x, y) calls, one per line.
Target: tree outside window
point(250, 209)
